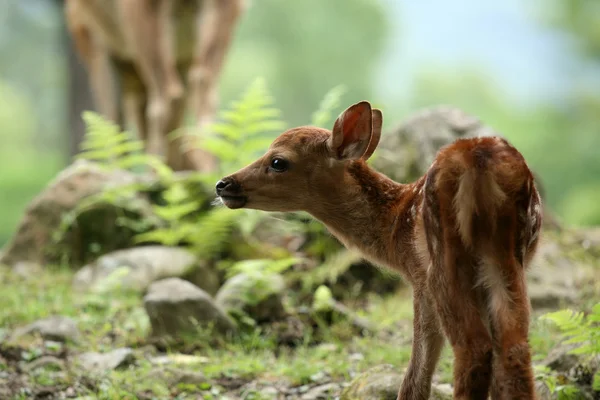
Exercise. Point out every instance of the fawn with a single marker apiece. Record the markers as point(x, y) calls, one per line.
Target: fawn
point(139, 48)
point(462, 235)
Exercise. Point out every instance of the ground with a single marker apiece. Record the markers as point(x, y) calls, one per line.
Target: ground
point(250, 367)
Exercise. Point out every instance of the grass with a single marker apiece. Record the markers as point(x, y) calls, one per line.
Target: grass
point(117, 320)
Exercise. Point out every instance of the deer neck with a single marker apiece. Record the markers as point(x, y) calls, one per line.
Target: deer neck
point(368, 211)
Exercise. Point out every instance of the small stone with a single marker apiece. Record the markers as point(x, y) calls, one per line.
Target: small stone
point(175, 306)
point(101, 362)
point(175, 376)
point(56, 328)
point(259, 296)
point(381, 382)
point(321, 392)
point(441, 392)
point(136, 268)
point(43, 362)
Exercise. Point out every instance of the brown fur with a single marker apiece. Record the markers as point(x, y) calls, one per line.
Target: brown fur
point(462, 235)
point(142, 55)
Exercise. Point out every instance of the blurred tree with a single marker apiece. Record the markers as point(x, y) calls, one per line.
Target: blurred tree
point(304, 48)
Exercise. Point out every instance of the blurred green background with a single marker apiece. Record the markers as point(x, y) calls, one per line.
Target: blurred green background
point(530, 69)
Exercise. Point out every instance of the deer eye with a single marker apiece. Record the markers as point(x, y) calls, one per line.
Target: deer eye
point(279, 165)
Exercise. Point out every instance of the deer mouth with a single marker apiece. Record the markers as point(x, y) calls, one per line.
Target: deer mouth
point(234, 202)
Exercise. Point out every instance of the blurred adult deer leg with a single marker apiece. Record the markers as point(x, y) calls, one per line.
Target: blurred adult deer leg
point(97, 61)
point(167, 44)
point(214, 34)
point(141, 32)
point(134, 101)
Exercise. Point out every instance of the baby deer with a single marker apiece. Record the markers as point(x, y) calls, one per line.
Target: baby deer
point(462, 235)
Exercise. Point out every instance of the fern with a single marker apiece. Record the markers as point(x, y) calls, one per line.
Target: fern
point(261, 266)
point(109, 147)
point(246, 129)
point(323, 117)
point(329, 271)
point(580, 329)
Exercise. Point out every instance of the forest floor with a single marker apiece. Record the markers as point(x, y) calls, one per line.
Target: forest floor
point(253, 366)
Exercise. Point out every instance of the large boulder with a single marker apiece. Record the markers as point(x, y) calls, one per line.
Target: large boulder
point(88, 211)
point(560, 273)
point(137, 268)
point(406, 152)
point(176, 307)
point(95, 226)
point(258, 296)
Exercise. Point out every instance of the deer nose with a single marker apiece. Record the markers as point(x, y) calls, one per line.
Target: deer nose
point(226, 185)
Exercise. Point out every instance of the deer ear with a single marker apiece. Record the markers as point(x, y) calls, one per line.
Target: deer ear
point(351, 132)
point(377, 123)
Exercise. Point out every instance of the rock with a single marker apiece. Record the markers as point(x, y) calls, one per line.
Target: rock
point(543, 391)
point(27, 269)
point(175, 376)
point(137, 268)
point(556, 276)
point(407, 151)
point(321, 392)
point(383, 382)
point(43, 362)
point(57, 328)
point(259, 296)
point(101, 362)
point(175, 306)
point(63, 224)
point(441, 392)
point(34, 237)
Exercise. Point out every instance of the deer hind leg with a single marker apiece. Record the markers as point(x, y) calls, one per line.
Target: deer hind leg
point(451, 283)
point(508, 306)
point(428, 341)
point(458, 310)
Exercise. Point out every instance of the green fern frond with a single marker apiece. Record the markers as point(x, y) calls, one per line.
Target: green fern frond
point(246, 129)
point(261, 266)
point(108, 146)
point(212, 232)
point(323, 117)
point(329, 271)
point(579, 329)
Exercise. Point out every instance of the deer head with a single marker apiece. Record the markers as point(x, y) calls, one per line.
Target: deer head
point(304, 164)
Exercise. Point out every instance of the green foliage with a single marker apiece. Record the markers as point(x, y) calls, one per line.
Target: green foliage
point(323, 117)
point(107, 146)
point(335, 264)
point(582, 330)
point(557, 385)
point(261, 266)
point(246, 129)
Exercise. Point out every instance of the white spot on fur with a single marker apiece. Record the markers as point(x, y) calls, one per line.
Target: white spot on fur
point(413, 211)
